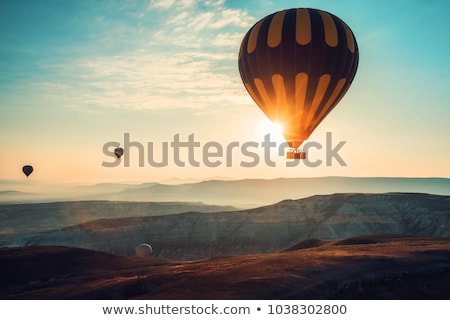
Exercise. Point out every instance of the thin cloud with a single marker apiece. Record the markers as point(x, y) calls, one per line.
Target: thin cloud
point(148, 81)
point(161, 4)
point(228, 39)
point(214, 3)
point(215, 19)
point(200, 21)
point(166, 4)
point(231, 17)
point(175, 59)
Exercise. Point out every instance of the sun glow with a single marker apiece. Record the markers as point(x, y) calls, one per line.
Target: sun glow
point(275, 129)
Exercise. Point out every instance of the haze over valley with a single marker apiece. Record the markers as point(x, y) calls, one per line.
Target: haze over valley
point(199, 235)
point(246, 193)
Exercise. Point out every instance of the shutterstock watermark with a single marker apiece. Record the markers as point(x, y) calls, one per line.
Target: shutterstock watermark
point(249, 154)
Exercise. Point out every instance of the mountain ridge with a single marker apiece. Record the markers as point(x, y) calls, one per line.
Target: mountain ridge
point(196, 235)
point(35, 217)
point(244, 193)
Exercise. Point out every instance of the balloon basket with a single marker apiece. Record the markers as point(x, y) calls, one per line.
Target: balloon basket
point(296, 154)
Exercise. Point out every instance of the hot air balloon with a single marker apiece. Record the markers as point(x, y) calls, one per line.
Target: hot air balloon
point(27, 170)
point(297, 64)
point(118, 152)
point(144, 250)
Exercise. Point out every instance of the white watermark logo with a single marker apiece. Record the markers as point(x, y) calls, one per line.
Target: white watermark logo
point(215, 154)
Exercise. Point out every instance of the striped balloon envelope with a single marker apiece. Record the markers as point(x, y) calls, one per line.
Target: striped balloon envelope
point(297, 64)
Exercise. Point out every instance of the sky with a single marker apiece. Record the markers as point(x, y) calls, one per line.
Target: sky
point(78, 77)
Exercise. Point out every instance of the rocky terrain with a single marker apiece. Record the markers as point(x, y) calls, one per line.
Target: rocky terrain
point(367, 267)
point(268, 229)
point(33, 217)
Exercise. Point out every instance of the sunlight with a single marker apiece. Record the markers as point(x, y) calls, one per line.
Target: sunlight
point(274, 128)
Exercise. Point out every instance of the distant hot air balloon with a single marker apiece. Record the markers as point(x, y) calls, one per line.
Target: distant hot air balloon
point(297, 64)
point(144, 250)
point(118, 152)
point(27, 170)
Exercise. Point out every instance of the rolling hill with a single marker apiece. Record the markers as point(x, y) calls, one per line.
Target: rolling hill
point(370, 267)
point(268, 229)
point(35, 217)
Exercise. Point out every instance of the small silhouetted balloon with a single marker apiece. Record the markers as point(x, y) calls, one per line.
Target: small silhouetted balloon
point(118, 152)
point(27, 170)
point(144, 250)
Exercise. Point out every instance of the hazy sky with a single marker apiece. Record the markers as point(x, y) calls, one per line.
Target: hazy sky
point(75, 75)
